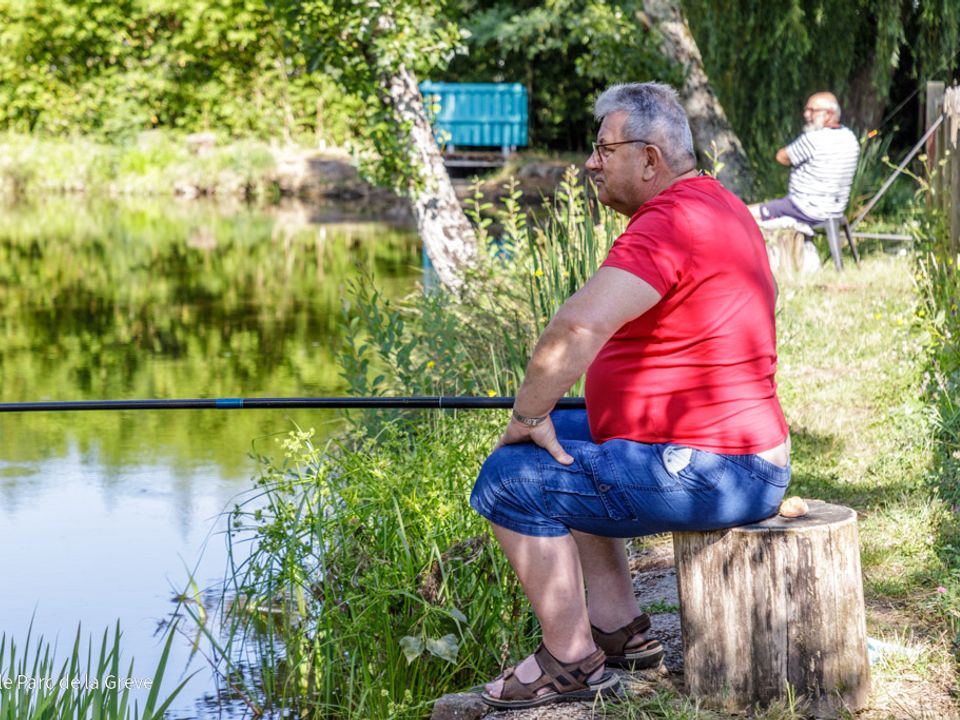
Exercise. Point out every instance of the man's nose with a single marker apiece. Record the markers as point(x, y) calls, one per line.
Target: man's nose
point(593, 162)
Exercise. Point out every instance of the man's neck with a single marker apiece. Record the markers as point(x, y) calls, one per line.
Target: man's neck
point(691, 173)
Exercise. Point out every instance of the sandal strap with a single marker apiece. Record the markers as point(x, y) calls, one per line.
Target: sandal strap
point(557, 676)
point(615, 643)
point(566, 677)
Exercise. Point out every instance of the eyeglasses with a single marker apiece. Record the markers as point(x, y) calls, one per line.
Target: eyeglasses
point(815, 109)
point(603, 150)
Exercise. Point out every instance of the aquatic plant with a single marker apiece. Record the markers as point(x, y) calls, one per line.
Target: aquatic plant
point(35, 686)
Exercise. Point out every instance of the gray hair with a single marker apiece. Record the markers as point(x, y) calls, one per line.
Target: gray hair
point(653, 113)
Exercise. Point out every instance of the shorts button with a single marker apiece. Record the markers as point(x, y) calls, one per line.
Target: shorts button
point(604, 488)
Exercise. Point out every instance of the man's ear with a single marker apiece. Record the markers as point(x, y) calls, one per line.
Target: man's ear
point(651, 161)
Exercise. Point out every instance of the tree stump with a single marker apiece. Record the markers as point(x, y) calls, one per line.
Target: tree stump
point(775, 604)
point(785, 249)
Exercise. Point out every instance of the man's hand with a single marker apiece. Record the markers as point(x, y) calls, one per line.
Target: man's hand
point(543, 435)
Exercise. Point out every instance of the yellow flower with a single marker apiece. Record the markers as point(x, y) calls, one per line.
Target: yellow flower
point(491, 393)
point(899, 321)
point(878, 316)
point(538, 273)
point(431, 365)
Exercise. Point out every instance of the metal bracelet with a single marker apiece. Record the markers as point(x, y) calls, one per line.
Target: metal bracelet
point(528, 421)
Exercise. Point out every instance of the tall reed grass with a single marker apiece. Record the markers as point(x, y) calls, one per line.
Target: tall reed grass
point(86, 686)
point(371, 587)
point(938, 313)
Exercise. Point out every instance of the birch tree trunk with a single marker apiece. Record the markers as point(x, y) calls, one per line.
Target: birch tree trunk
point(707, 120)
point(447, 235)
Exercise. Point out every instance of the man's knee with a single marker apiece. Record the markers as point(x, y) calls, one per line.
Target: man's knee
point(506, 466)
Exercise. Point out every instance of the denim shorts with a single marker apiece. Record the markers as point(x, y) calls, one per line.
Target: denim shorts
point(623, 488)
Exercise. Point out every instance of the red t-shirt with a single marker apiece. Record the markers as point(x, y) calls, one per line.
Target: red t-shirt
point(697, 369)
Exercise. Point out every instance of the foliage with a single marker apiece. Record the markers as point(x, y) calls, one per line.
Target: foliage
point(565, 52)
point(939, 284)
point(372, 584)
point(35, 687)
point(156, 162)
point(480, 343)
point(363, 46)
point(797, 47)
point(113, 69)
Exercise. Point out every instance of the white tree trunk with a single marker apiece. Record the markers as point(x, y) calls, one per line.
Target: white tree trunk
point(707, 120)
point(447, 235)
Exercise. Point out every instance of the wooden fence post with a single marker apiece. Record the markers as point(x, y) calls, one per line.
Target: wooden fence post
point(951, 133)
point(934, 145)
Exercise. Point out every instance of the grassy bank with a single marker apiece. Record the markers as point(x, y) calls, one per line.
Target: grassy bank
point(166, 163)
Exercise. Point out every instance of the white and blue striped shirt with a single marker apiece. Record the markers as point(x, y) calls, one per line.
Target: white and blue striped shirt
point(824, 162)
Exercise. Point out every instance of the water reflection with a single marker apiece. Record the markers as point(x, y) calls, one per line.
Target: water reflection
point(103, 512)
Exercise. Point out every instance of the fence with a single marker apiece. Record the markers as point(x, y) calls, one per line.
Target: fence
point(943, 154)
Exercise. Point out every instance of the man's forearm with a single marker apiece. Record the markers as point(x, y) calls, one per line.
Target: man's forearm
point(563, 354)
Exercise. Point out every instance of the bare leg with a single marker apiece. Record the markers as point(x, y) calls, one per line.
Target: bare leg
point(549, 571)
point(612, 603)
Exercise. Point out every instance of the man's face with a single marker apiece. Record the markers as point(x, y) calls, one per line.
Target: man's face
point(619, 171)
point(816, 115)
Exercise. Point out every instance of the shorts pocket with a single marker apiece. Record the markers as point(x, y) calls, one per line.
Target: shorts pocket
point(704, 472)
point(568, 491)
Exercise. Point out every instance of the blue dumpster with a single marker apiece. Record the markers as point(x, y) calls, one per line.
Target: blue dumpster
point(478, 114)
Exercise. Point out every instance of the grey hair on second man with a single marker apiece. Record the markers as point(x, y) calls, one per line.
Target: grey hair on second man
point(654, 113)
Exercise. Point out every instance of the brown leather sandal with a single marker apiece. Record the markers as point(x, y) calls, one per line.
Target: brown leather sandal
point(620, 654)
point(566, 682)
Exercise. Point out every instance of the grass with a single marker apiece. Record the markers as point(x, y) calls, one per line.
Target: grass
point(155, 163)
point(34, 685)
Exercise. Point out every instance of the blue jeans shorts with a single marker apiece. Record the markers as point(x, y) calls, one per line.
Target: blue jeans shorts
point(623, 488)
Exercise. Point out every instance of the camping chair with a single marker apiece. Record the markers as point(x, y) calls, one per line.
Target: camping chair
point(831, 226)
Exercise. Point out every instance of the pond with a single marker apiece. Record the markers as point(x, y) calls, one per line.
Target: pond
point(105, 515)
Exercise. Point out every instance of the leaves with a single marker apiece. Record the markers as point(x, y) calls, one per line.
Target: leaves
point(565, 51)
point(445, 648)
point(113, 69)
point(412, 647)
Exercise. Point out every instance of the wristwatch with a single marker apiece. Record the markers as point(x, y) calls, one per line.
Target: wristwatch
point(528, 421)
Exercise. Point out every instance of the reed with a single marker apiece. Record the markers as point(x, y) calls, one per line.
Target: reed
point(34, 685)
point(371, 587)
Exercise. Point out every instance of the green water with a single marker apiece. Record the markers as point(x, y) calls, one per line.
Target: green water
point(103, 513)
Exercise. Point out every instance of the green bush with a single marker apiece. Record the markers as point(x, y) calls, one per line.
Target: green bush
point(938, 313)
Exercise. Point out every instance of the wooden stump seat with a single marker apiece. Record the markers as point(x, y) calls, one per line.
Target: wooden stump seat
point(773, 604)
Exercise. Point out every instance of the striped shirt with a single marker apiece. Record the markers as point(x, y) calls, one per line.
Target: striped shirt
point(824, 162)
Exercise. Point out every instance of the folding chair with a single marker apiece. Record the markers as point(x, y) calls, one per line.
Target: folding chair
point(831, 226)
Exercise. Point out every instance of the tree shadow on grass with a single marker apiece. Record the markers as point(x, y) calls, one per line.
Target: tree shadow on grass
point(815, 461)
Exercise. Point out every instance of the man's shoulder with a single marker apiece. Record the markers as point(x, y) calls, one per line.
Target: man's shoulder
point(831, 137)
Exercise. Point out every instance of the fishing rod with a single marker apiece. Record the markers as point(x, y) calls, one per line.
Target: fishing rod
point(425, 402)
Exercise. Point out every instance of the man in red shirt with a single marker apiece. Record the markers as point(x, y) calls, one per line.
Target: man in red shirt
point(683, 429)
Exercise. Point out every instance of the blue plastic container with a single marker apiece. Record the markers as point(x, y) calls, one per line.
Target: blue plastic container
point(478, 114)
